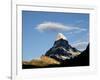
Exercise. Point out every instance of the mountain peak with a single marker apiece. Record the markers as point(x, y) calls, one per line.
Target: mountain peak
point(60, 36)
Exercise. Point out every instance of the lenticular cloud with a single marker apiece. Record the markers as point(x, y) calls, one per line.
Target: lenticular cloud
point(52, 26)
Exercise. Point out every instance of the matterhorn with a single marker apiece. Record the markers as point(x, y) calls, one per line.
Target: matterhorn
point(61, 49)
point(61, 54)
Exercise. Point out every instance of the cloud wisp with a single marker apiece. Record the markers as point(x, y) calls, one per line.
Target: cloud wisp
point(80, 45)
point(52, 26)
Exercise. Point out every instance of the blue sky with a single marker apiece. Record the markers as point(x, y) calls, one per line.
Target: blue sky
point(39, 36)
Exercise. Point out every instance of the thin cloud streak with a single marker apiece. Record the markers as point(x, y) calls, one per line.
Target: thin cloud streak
point(52, 26)
point(80, 45)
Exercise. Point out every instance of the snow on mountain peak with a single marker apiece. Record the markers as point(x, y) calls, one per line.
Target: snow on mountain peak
point(60, 36)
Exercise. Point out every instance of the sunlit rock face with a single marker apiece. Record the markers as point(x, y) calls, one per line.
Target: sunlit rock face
point(49, 60)
point(42, 62)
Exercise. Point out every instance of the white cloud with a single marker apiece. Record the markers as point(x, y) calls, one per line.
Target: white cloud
point(52, 26)
point(80, 45)
point(76, 31)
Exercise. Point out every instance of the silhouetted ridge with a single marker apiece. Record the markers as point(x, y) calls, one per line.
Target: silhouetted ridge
point(80, 60)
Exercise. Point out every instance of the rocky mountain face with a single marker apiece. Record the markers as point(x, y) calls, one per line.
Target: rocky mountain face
point(62, 50)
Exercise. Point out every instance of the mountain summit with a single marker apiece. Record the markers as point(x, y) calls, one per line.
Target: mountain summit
point(60, 36)
point(61, 49)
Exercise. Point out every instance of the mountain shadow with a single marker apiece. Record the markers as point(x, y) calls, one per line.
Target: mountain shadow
point(80, 60)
